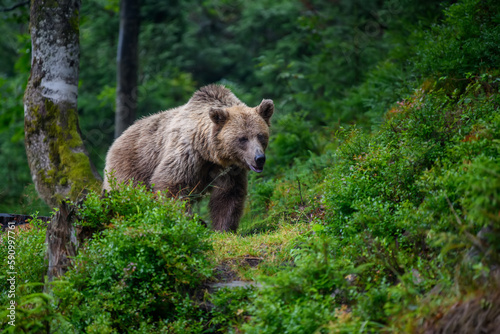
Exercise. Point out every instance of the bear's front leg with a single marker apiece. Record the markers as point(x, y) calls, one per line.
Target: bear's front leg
point(228, 200)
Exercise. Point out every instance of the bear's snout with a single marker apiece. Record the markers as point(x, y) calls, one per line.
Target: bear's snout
point(260, 159)
point(258, 162)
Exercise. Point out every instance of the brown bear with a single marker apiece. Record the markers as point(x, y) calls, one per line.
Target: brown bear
point(206, 145)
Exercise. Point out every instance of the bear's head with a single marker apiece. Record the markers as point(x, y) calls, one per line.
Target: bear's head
point(241, 134)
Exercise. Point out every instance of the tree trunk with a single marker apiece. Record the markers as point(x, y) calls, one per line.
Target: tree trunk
point(61, 240)
point(59, 163)
point(127, 66)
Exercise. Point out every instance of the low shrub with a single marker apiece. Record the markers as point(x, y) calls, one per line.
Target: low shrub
point(28, 260)
point(140, 270)
point(25, 263)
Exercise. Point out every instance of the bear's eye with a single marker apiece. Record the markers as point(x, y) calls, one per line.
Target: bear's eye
point(243, 139)
point(261, 137)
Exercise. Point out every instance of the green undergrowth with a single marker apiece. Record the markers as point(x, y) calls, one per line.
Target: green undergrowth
point(291, 198)
point(409, 215)
point(140, 272)
point(22, 272)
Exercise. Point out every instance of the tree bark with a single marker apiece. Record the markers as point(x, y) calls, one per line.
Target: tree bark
point(127, 66)
point(59, 163)
point(61, 240)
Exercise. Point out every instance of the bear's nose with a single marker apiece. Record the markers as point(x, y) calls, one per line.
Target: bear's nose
point(260, 159)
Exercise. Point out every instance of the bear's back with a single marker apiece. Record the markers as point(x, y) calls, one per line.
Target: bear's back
point(167, 135)
point(137, 151)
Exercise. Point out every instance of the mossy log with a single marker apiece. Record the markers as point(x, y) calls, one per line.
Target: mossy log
point(59, 163)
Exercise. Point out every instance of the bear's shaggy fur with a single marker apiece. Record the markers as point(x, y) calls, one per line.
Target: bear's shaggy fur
point(208, 144)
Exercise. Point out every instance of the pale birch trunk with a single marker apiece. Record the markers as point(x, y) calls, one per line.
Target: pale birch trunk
point(59, 163)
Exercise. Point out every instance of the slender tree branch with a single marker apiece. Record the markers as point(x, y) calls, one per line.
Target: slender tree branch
point(17, 5)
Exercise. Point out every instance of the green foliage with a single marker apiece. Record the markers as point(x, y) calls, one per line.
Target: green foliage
point(292, 140)
point(466, 42)
point(140, 269)
point(290, 198)
point(11, 142)
point(28, 266)
point(97, 211)
point(299, 300)
point(366, 103)
point(33, 314)
point(29, 259)
point(397, 203)
point(16, 194)
point(229, 309)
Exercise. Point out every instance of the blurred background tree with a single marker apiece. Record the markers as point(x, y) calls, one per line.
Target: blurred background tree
point(323, 62)
point(127, 61)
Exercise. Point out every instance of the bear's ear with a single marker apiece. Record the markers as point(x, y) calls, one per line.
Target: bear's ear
point(218, 116)
point(266, 110)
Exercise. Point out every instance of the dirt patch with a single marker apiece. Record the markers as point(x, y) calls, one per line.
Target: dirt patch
point(224, 273)
point(251, 260)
